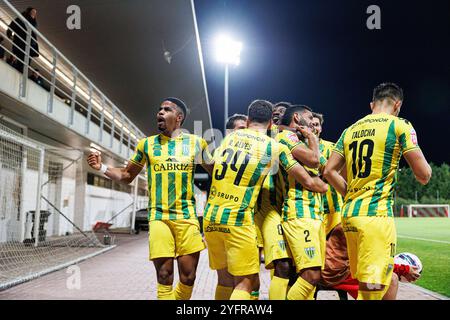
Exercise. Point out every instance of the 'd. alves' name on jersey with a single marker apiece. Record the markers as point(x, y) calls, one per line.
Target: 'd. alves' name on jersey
point(241, 163)
point(372, 148)
point(170, 170)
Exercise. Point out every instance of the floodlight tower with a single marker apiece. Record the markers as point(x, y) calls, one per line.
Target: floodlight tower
point(228, 51)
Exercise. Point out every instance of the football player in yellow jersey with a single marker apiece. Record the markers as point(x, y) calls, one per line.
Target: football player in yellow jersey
point(225, 281)
point(332, 201)
point(371, 150)
point(174, 232)
point(241, 162)
point(266, 206)
point(302, 209)
point(268, 220)
point(336, 272)
point(335, 253)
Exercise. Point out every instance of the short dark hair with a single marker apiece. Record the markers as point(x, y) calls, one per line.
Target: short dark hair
point(180, 104)
point(387, 90)
point(231, 120)
point(27, 11)
point(282, 104)
point(318, 116)
point(289, 113)
point(260, 111)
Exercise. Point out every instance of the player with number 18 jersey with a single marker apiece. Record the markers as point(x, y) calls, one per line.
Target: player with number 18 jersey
point(372, 148)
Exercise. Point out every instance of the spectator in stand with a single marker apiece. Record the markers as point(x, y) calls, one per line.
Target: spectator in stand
point(36, 77)
point(11, 60)
point(17, 31)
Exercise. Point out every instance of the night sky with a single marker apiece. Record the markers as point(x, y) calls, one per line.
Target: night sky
point(320, 53)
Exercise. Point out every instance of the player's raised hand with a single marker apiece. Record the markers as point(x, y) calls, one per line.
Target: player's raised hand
point(413, 274)
point(95, 160)
point(304, 131)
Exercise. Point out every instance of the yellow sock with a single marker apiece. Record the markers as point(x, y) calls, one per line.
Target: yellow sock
point(311, 295)
point(183, 292)
point(370, 295)
point(165, 292)
point(278, 288)
point(223, 293)
point(240, 295)
point(301, 290)
point(254, 295)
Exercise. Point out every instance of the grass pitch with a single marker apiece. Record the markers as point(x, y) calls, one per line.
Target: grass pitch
point(429, 239)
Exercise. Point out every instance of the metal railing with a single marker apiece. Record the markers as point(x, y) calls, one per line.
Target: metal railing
point(64, 81)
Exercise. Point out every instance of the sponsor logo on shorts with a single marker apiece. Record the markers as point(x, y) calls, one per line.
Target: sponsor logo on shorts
point(310, 252)
point(218, 229)
point(349, 229)
point(282, 244)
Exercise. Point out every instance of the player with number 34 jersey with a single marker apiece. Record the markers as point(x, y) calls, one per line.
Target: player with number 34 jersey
point(241, 163)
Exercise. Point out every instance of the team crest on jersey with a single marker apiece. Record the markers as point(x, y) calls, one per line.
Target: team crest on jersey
point(292, 136)
point(310, 252)
point(414, 137)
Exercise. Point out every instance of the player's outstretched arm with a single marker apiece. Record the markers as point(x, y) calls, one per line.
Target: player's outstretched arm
point(331, 172)
point(419, 165)
point(314, 184)
point(123, 175)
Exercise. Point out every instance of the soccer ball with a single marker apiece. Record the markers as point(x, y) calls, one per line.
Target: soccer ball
point(410, 260)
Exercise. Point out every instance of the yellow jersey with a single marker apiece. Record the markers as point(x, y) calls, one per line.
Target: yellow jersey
point(271, 193)
point(372, 148)
point(170, 171)
point(241, 163)
point(332, 200)
point(298, 202)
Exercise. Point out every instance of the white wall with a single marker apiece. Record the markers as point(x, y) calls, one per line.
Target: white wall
point(56, 225)
point(102, 204)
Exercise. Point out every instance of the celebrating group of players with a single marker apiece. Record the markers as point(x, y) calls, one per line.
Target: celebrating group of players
point(321, 211)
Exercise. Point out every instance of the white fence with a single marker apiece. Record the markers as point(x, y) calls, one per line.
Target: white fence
point(38, 178)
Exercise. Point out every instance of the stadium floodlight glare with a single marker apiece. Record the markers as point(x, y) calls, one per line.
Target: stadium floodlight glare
point(228, 51)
